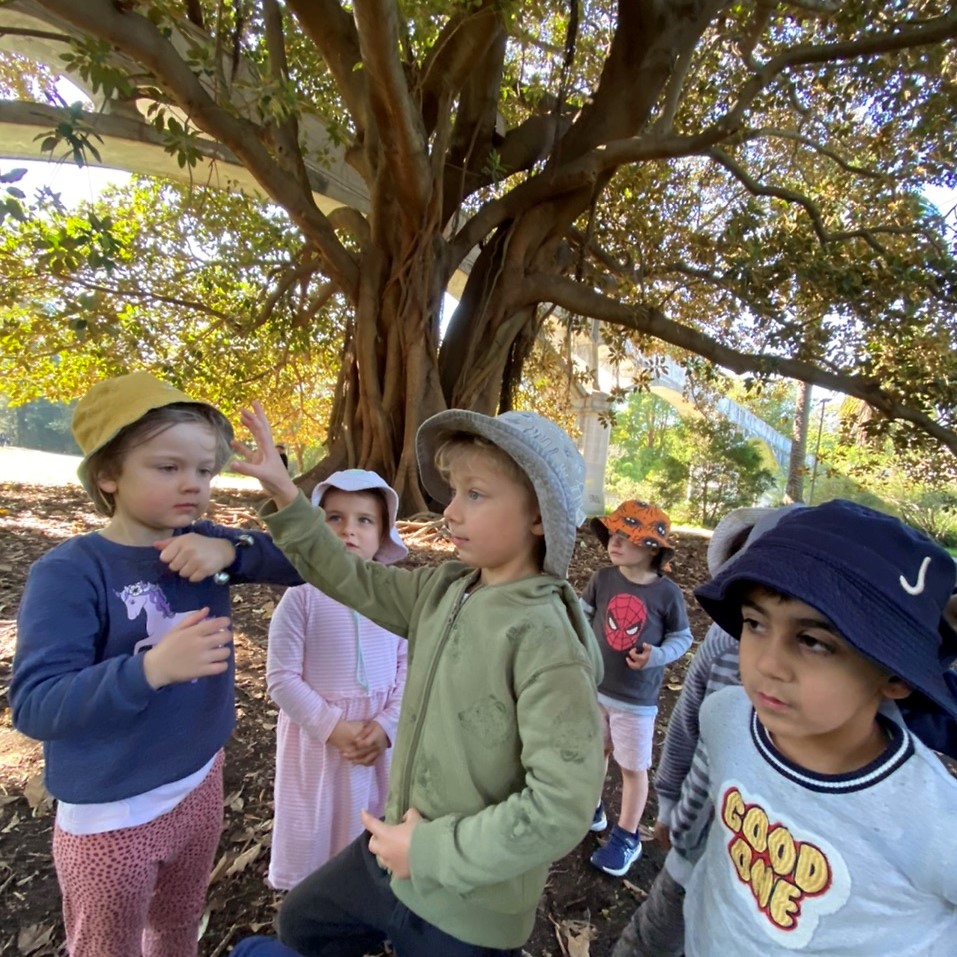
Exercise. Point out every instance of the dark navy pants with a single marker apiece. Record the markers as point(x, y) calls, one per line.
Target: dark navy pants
point(347, 909)
point(261, 947)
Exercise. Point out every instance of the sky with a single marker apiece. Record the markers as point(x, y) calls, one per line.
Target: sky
point(74, 184)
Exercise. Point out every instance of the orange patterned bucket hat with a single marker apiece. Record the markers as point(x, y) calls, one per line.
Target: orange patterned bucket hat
point(642, 524)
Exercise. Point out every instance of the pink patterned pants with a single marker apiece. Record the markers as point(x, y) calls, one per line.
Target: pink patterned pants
point(140, 891)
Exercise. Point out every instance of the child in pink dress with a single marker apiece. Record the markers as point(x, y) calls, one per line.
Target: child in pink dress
point(338, 679)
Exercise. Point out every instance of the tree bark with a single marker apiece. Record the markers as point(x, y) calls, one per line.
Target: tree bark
point(797, 468)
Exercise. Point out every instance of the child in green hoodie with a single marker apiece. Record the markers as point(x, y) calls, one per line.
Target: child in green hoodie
point(497, 763)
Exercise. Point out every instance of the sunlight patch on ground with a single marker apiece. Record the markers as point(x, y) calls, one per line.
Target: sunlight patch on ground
point(47, 468)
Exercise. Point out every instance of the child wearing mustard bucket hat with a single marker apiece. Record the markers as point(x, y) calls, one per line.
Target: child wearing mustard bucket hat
point(124, 668)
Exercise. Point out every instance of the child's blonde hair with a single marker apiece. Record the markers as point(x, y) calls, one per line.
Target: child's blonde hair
point(460, 444)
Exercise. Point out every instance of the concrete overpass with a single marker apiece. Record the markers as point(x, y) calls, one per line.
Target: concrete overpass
point(591, 355)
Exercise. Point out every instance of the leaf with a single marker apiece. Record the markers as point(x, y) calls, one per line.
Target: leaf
point(32, 938)
point(38, 797)
point(575, 936)
point(244, 860)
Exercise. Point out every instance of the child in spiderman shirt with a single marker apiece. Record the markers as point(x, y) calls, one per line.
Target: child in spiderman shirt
point(641, 623)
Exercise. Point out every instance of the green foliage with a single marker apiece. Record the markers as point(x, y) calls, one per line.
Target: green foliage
point(75, 132)
point(773, 401)
point(12, 203)
point(744, 184)
point(934, 512)
point(726, 471)
point(919, 485)
point(204, 288)
point(697, 468)
point(38, 425)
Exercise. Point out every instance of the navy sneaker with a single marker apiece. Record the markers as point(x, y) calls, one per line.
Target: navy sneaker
point(600, 821)
point(618, 853)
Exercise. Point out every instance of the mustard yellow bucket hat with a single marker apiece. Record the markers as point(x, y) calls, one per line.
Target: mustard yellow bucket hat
point(113, 404)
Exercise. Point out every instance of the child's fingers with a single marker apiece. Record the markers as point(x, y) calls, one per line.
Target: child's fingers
point(194, 618)
point(255, 420)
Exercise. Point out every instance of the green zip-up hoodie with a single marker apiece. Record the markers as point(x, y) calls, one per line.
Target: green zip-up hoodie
point(499, 741)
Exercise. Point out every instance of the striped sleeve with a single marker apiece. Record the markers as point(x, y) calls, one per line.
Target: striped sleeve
point(692, 815)
point(714, 666)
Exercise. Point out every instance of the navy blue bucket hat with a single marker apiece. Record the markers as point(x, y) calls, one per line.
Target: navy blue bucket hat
point(883, 585)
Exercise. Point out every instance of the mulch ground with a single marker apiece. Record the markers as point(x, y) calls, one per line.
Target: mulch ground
point(581, 912)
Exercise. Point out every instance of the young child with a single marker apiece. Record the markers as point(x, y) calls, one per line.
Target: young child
point(641, 623)
point(124, 670)
point(656, 929)
point(337, 678)
point(496, 765)
point(813, 780)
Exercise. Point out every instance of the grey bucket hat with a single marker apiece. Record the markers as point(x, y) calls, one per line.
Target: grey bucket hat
point(542, 450)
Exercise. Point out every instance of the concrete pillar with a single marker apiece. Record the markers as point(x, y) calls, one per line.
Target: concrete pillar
point(595, 436)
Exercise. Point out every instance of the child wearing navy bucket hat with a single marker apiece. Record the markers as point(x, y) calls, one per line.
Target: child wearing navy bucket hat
point(813, 779)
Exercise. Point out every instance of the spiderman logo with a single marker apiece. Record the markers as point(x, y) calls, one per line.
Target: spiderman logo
point(624, 620)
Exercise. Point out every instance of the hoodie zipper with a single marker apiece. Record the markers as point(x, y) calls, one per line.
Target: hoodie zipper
point(405, 792)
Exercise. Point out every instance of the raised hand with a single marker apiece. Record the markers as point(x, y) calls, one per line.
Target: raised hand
point(197, 647)
point(263, 462)
point(196, 556)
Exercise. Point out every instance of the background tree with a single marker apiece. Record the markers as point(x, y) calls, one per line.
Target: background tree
point(37, 425)
point(696, 175)
point(725, 470)
point(697, 467)
point(199, 284)
point(918, 484)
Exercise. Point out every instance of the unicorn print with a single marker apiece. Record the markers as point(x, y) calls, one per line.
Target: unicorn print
point(160, 618)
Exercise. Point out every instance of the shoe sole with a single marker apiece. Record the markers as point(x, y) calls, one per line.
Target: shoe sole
point(599, 827)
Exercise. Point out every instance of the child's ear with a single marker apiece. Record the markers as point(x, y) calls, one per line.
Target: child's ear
point(106, 485)
point(538, 526)
point(895, 689)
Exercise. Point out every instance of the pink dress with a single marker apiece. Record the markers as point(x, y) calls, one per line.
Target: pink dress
point(326, 663)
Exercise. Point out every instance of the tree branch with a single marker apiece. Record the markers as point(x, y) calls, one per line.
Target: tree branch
point(753, 133)
point(141, 39)
point(461, 45)
point(286, 132)
point(333, 31)
point(894, 40)
point(398, 124)
point(581, 300)
point(791, 196)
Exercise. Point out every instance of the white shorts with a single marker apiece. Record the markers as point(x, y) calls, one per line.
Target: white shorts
point(628, 737)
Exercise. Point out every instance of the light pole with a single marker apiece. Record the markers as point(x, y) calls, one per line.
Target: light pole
point(817, 449)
